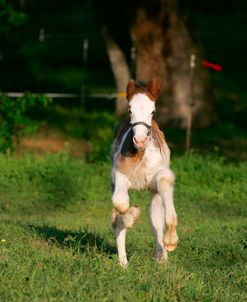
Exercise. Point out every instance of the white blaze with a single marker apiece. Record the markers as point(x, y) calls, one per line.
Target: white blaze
point(141, 111)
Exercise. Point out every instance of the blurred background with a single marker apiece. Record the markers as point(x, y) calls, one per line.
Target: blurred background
point(64, 67)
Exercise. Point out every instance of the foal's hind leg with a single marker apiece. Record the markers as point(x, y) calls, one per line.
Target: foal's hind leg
point(157, 221)
point(165, 182)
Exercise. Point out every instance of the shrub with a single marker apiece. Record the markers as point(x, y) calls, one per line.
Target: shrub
point(14, 119)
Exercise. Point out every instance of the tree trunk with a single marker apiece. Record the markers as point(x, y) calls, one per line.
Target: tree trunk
point(22, 4)
point(120, 71)
point(164, 46)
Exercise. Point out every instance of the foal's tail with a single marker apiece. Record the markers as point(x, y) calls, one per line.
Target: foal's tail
point(126, 220)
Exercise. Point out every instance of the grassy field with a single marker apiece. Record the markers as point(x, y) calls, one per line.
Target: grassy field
point(56, 243)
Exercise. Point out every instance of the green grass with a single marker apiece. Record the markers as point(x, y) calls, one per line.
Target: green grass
point(56, 243)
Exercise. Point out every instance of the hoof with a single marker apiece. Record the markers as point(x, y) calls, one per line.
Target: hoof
point(123, 263)
point(171, 241)
point(170, 247)
point(131, 216)
point(161, 257)
point(128, 221)
point(135, 211)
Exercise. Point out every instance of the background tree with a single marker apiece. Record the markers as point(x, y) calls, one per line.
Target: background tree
point(163, 43)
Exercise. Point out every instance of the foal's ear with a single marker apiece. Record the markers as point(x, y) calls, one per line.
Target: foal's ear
point(154, 87)
point(131, 89)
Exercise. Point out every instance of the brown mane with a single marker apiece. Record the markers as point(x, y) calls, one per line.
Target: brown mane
point(151, 88)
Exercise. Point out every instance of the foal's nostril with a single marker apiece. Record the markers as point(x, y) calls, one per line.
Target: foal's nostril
point(140, 142)
point(137, 141)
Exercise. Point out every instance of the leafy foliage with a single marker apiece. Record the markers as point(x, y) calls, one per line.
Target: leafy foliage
point(13, 118)
point(9, 17)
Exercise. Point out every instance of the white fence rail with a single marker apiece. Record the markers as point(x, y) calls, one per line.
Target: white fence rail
point(64, 95)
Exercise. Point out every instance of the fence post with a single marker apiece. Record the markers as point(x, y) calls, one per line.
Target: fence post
point(190, 102)
point(41, 35)
point(1, 60)
point(85, 57)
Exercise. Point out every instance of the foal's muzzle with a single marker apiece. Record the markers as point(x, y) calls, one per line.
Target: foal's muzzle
point(140, 143)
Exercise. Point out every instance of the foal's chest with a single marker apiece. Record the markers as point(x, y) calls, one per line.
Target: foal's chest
point(141, 171)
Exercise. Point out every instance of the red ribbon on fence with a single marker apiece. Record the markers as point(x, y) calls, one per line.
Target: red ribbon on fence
point(215, 67)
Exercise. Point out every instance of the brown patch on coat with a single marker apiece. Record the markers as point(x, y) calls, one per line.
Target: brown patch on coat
point(159, 139)
point(151, 88)
point(125, 163)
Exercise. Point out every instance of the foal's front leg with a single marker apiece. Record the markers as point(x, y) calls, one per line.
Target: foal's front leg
point(123, 216)
point(120, 197)
point(165, 183)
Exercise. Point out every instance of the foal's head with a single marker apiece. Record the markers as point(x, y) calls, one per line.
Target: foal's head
point(141, 97)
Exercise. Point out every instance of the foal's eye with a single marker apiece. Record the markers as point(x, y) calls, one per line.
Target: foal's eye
point(153, 111)
point(129, 110)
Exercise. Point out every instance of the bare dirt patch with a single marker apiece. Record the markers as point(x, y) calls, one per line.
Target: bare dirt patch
point(43, 143)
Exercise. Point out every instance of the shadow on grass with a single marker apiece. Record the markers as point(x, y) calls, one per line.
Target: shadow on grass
point(81, 241)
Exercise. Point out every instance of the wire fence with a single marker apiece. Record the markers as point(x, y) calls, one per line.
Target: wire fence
point(85, 38)
point(65, 95)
